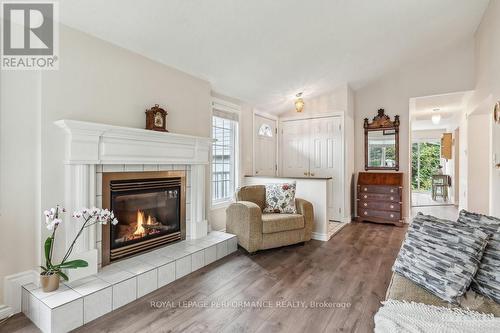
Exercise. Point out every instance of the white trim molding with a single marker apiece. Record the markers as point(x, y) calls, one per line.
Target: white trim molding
point(302, 116)
point(89, 145)
point(13, 289)
point(5, 312)
point(223, 105)
point(320, 236)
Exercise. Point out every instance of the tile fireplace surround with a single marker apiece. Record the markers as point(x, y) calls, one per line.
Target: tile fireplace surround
point(91, 150)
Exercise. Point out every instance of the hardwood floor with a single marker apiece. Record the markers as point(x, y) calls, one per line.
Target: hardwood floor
point(444, 212)
point(351, 272)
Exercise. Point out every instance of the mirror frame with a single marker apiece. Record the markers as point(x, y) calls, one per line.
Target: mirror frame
point(382, 122)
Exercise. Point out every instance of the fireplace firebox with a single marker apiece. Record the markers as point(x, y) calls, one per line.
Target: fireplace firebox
point(150, 208)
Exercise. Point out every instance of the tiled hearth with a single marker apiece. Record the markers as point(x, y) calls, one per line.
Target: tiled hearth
point(79, 302)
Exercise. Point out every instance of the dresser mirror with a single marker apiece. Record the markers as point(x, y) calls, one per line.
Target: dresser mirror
point(382, 142)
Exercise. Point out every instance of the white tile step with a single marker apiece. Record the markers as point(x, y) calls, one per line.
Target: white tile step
point(78, 302)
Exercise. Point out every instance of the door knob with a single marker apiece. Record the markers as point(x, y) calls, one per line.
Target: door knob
point(305, 173)
point(312, 174)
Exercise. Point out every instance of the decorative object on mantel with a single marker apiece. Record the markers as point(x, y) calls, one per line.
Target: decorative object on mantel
point(382, 142)
point(299, 103)
point(156, 119)
point(51, 273)
point(496, 112)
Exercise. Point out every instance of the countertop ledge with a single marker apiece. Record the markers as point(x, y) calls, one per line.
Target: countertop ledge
point(282, 177)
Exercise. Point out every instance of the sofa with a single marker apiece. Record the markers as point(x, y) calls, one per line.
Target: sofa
point(406, 286)
point(259, 231)
point(403, 289)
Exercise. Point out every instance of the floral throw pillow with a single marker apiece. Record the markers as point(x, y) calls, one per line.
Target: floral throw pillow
point(280, 198)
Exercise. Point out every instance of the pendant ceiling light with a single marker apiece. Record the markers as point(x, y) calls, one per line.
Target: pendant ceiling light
point(299, 103)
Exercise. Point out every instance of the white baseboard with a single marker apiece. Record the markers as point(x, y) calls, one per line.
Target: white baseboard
point(5, 311)
point(346, 219)
point(13, 288)
point(320, 236)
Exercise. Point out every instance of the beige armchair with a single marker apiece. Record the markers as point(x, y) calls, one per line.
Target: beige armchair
point(257, 230)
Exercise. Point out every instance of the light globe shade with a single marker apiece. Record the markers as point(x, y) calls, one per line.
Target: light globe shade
point(436, 119)
point(299, 105)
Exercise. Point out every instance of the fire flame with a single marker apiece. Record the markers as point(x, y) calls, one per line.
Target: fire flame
point(141, 220)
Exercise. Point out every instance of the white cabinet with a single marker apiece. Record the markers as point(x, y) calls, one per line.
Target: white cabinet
point(315, 148)
point(295, 148)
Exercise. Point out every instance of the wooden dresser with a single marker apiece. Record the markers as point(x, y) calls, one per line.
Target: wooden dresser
point(380, 197)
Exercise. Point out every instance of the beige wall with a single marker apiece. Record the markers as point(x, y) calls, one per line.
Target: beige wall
point(449, 71)
point(19, 172)
point(427, 134)
point(487, 92)
point(98, 82)
point(335, 100)
point(478, 179)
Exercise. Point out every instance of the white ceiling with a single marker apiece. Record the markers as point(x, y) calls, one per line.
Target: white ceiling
point(264, 52)
point(449, 106)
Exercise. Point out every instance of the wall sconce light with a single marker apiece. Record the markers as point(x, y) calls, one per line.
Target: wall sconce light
point(299, 103)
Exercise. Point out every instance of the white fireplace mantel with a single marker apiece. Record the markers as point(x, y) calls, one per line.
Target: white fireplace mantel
point(93, 143)
point(90, 144)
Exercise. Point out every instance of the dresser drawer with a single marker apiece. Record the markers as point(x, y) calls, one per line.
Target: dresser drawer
point(382, 214)
point(379, 197)
point(382, 189)
point(379, 205)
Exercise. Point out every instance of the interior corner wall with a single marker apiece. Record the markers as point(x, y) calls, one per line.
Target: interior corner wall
point(332, 101)
point(448, 71)
point(463, 163)
point(478, 163)
point(486, 93)
point(19, 172)
point(349, 146)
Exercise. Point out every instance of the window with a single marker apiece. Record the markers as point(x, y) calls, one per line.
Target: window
point(426, 158)
point(223, 159)
point(266, 130)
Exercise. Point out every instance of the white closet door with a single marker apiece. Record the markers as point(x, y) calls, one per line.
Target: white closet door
point(265, 146)
point(326, 158)
point(295, 148)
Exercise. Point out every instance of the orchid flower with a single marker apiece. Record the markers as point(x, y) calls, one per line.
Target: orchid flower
point(52, 221)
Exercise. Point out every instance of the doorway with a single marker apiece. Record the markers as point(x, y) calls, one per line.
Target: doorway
point(265, 143)
point(435, 159)
point(425, 164)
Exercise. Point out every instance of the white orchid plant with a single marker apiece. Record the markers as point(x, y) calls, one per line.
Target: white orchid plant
point(53, 220)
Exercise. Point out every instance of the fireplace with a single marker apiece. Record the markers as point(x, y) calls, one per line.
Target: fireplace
point(150, 208)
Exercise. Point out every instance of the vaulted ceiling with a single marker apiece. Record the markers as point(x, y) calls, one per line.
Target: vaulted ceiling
point(264, 52)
